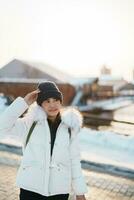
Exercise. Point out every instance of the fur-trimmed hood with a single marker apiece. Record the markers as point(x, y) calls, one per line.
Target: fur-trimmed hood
point(69, 116)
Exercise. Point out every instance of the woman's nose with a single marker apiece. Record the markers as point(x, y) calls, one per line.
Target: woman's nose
point(52, 105)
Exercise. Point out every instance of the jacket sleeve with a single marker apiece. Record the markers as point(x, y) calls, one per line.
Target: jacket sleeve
point(78, 180)
point(10, 121)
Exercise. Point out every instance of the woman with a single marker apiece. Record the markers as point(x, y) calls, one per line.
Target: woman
point(50, 166)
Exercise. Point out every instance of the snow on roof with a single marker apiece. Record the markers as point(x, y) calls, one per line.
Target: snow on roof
point(26, 69)
point(21, 80)
point(116, 81)
point(108, 77)
point(83, 80)
point(47, 68)
point(128, 86)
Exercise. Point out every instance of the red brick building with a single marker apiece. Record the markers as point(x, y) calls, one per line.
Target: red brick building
point(17, 78)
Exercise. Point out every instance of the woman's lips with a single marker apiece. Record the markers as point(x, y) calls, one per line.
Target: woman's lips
point(53, 110)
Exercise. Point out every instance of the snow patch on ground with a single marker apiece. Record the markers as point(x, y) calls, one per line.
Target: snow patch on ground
point(107, 147)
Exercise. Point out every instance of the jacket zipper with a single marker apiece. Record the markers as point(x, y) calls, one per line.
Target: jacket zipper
point(45, 183)
point(51, 156)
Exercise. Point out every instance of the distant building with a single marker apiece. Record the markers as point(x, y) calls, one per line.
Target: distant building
point(105, 70)
point(87, 88)
point(109, 86)
point(32, 70)
point(127, 90)
point(133, 74)
point(17, 78)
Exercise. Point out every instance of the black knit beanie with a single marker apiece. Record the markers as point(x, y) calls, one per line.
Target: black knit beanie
point(48, 89)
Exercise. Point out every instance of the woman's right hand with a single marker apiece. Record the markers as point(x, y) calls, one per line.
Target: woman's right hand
point(31, 97)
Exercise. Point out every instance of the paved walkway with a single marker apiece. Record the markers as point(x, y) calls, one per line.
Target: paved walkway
point(101, 186)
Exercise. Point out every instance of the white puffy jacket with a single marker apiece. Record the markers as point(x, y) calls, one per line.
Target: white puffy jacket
point(39, 171)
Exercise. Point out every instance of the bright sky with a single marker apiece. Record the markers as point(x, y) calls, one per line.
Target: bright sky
point(77, 36)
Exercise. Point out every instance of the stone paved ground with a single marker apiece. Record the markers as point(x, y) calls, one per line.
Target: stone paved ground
point(108, 187)
point(101, 186)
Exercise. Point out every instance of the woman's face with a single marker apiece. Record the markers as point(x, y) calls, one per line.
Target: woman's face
point(51, 106)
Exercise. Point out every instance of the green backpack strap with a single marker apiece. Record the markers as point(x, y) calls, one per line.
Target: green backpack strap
point(30, 132)
point(69, 131)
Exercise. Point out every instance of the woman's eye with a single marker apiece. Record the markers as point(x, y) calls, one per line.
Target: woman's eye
point(55, 100)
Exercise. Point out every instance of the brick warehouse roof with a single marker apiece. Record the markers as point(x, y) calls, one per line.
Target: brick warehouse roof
point(32, 70)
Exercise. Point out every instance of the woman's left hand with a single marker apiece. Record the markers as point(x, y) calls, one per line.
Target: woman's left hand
point(80, 197)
